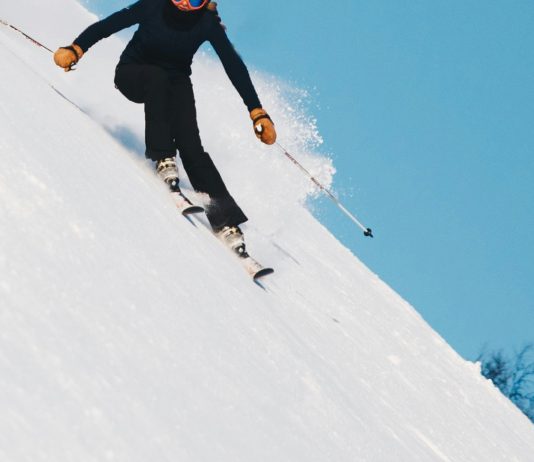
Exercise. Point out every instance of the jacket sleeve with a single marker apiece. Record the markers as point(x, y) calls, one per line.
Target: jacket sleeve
point(117, 21)
point(234, 66)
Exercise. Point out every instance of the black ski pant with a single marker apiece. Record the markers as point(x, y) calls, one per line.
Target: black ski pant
point(170, 125)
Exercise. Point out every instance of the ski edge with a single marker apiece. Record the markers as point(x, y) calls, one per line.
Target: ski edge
point(262, 273)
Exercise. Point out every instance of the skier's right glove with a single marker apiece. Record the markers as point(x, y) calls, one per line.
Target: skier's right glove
point(212, 6)
point(263, 126)
point(66, 57)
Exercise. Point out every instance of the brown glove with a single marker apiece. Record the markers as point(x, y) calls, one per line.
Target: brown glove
point(212, 6)
point(263, 126)
point(66, 57)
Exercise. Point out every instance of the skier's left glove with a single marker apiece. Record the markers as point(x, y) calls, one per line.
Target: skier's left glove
point(66, 57)
point(263, 126)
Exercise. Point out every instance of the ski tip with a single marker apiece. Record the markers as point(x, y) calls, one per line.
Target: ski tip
point(263, 272)
point(192, 210)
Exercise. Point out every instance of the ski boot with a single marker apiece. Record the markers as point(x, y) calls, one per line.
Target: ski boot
point(233, 238)
point(168, 172)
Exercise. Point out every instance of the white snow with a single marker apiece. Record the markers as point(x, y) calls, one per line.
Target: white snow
point(127, 334)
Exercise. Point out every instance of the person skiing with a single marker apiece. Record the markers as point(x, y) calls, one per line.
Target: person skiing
point(154, 70)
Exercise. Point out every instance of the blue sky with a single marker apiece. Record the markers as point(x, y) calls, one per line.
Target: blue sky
point(427, 109)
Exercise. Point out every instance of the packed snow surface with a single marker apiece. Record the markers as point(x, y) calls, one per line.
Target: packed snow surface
point(129, 334)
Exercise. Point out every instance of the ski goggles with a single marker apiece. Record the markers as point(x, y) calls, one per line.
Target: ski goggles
point(189, 5)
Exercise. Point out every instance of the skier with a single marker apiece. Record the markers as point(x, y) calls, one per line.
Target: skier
point(154, 69)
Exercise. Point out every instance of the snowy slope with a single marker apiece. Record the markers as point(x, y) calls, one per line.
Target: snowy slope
point(130, 335)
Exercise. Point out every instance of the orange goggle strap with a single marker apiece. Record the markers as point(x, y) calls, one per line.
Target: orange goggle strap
point(186, 5)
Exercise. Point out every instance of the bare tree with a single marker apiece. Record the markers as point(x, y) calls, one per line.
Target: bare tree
point(514, 376)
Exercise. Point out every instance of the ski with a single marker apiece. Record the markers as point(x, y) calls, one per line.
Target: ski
point(255, 269)
point(184, 205)
point(167, 170)
point(232, 238)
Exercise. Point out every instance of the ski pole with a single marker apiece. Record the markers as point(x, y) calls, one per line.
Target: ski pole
point(366, 231)
point(31, 39)
point(39, 44)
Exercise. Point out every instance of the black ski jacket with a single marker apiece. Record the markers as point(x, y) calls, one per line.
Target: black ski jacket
point(169, 38)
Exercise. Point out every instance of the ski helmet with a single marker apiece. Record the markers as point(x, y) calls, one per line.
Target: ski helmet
point(189, 5)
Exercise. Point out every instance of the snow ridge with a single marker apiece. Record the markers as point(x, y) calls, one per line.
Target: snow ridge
point(129, 334)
